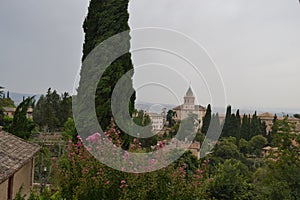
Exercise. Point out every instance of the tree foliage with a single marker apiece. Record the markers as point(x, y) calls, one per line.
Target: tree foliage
point(256, 145)
point(231, 181)
point(226, 149)
point(22, 126)
point(206, 120)
point(1, 91)
point(52, 110)
point(214, 127)
point(105, 19)
point(279, 178)
point(142, 119)
point(227, 123)
point(7, 102)
point(246, 128)
point(70, 129)
point(297, 116)
point(227, 173)
point(187, 128)
point(170, 118)
point(4, 102)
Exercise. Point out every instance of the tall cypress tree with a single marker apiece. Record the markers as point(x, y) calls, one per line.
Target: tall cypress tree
point(215, 126)
point(255, 125)
point(274, 129)
point(245, 127)
point(232, 125)
point(237, 127)
point(226, 127)
point(264, 129)
point(206, 120)
point(105, 19)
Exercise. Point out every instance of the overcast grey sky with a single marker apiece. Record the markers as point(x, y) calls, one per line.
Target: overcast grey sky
point(254, 44)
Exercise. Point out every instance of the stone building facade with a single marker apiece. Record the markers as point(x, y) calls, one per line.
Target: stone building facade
point(157, 120)
point(10, 112)
point(189, 107)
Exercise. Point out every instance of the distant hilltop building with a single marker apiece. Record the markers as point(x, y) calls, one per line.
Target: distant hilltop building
point(268, 119)
point(157, 120)
point(189, 107)
point(10, 112)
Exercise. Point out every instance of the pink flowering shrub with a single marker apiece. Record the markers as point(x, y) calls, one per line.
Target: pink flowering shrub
point(80, 176)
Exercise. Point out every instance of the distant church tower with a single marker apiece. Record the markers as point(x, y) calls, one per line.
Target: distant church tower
point(189, 100)
point(189, 107)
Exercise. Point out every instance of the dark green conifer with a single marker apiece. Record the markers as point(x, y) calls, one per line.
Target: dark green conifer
point(105, 19)
point(206, 120)
point(226, 126)
point(22, 126)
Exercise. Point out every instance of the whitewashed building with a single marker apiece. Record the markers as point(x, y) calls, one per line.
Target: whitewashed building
point(158, 121)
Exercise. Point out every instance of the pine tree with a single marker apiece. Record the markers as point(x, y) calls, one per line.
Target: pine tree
point(65, 109)
point(52, 111)
point(21, 125)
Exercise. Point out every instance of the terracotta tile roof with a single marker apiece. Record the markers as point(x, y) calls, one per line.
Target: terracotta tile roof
point(9, 109)
point(197, 107)
point(266, 114)
point(14, 154)
point(177, 108)
point(195, 145)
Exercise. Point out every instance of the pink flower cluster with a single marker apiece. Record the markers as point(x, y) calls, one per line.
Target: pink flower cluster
point(160, 145)
point(123, 184)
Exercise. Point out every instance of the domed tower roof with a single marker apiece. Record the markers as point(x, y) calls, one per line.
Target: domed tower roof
point(189, 92)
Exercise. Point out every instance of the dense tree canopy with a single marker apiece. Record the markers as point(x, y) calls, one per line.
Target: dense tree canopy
point(245, 128)
point(22, 126)
point(4, 102)
point(52, 111)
